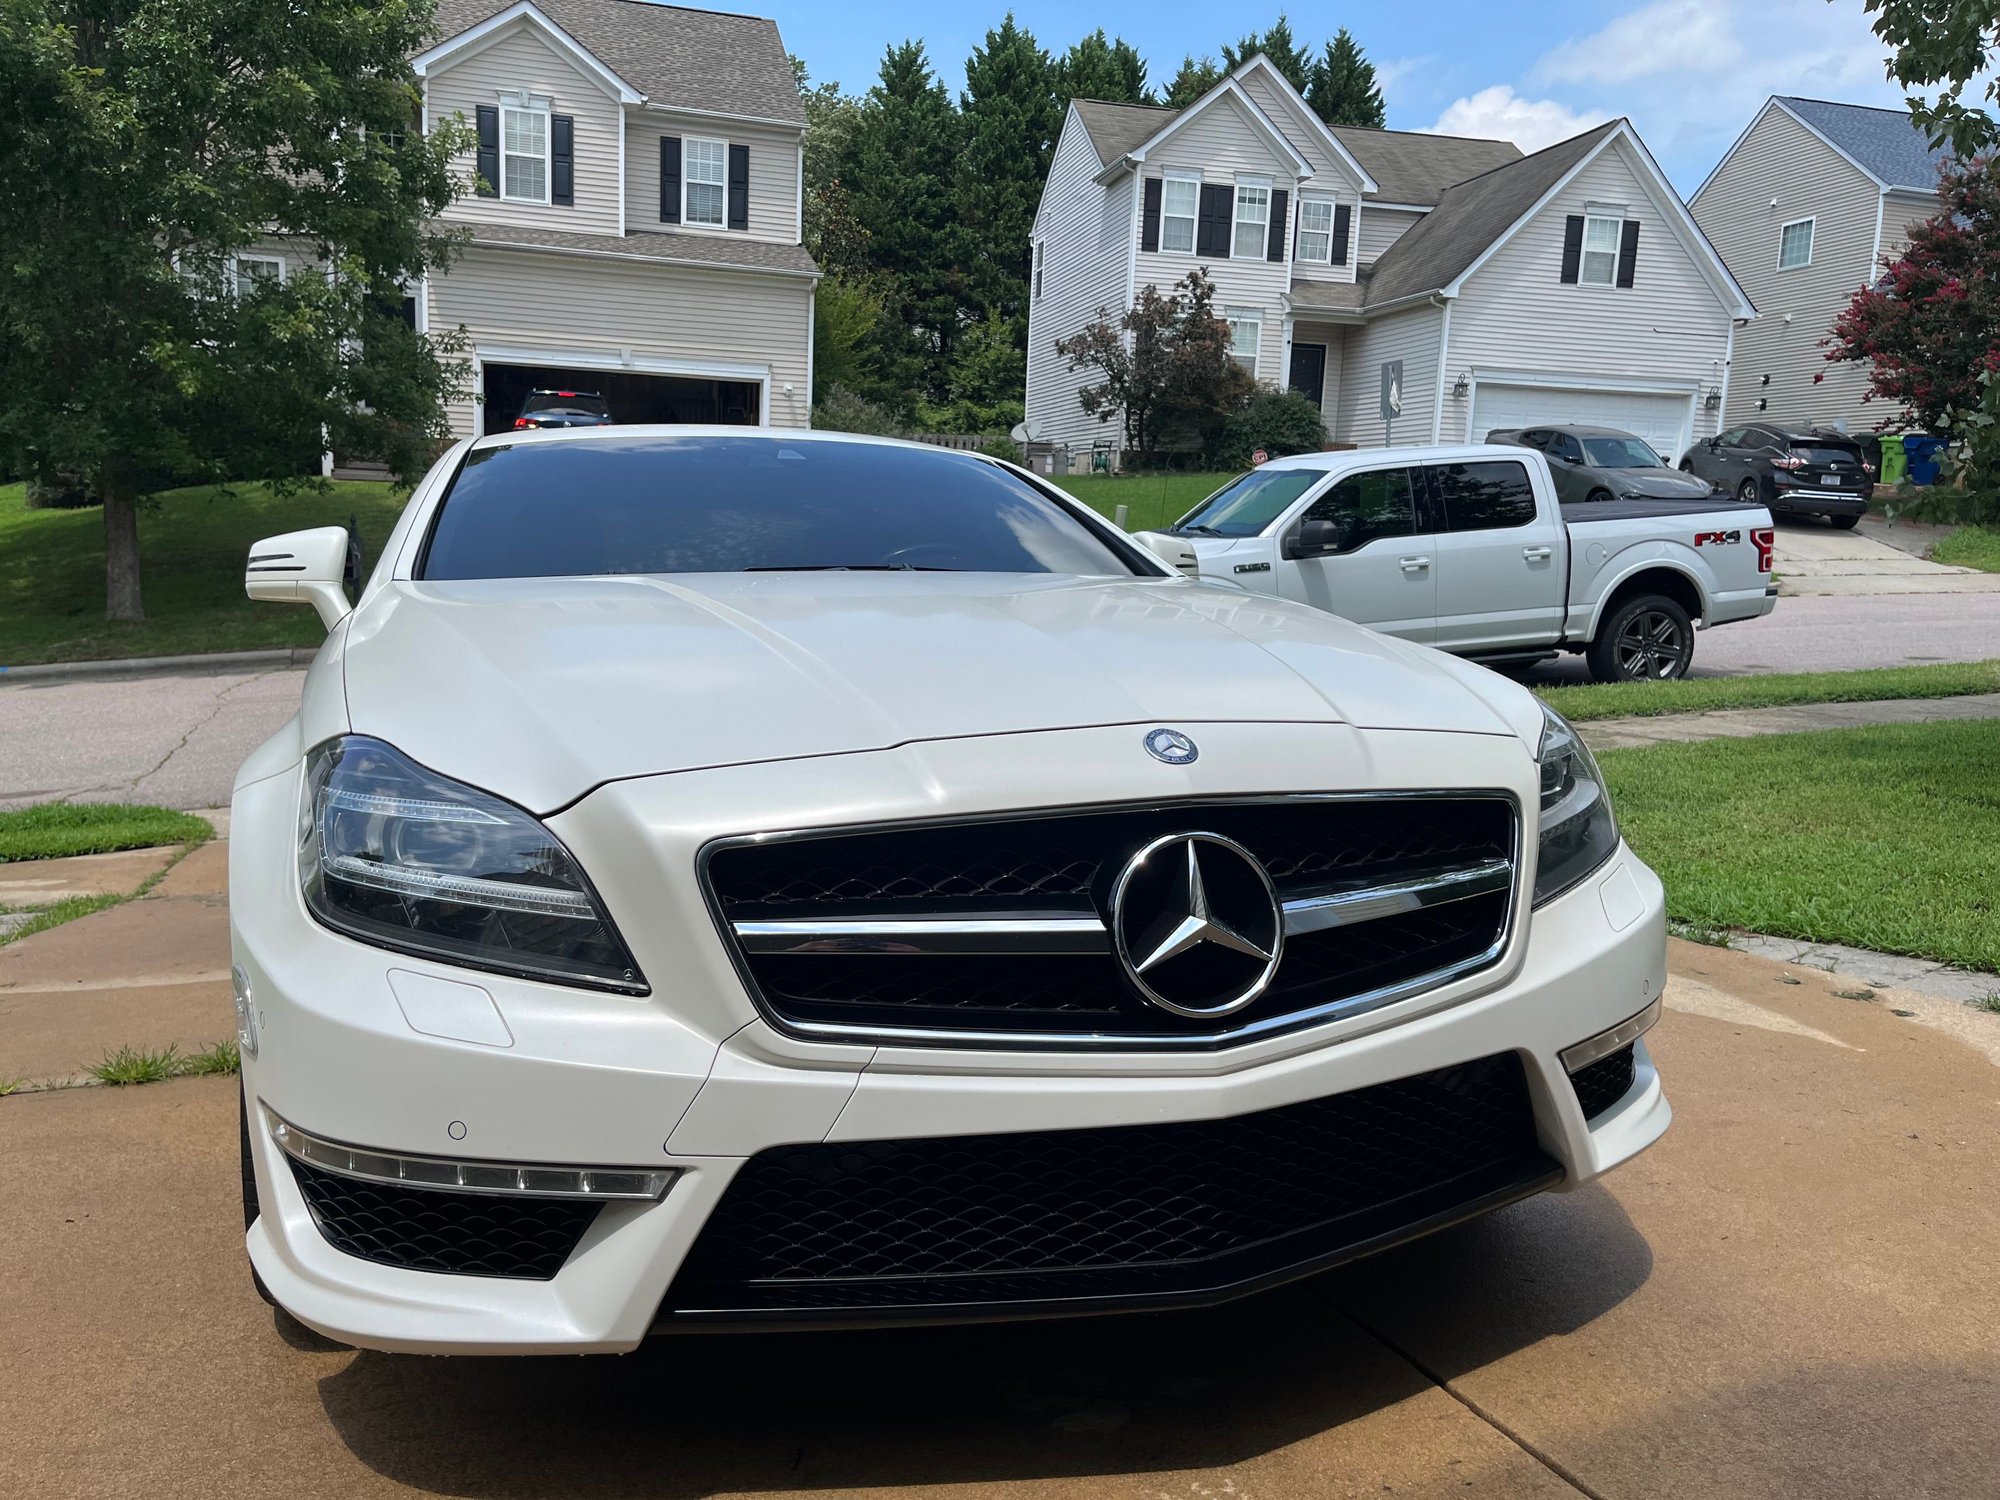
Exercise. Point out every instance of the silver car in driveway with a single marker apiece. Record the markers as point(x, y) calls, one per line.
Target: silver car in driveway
point(1602, 463)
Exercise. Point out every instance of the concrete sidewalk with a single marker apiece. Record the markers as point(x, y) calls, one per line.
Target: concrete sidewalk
point(1746, 723)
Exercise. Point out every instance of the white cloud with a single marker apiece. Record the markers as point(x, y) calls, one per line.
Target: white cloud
point(1668, 36)
point(1498, 113)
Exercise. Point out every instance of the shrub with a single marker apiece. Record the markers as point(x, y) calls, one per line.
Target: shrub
point(63, 492)
point(1002, 448)
point(841, 410)
point(1279, 422)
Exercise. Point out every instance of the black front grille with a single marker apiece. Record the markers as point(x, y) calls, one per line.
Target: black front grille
point(1064, 865)
point(1167, 1212)
point(424, 1229)
point(1601, 1084)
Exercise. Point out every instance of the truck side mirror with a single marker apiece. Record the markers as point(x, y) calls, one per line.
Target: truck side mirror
point(302, 567)
point(1174, 551)
point(1317, 538)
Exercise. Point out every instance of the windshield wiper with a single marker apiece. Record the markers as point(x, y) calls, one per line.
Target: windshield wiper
point(1196, 530)
point(847, 568)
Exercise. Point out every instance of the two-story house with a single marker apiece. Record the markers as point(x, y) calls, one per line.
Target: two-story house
point(1488, 288)
point(636, 228)
point(1806, 207)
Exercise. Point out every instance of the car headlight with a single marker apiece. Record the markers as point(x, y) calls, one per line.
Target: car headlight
point(1578, 831)
point(404, 858)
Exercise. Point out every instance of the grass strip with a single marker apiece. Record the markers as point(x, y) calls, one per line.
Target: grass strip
point(1693, 695)
point(58, 830)
point(1886, 837)
point(1151, 500)
point(1970, 547)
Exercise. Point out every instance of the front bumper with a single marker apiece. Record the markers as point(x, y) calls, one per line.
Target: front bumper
point(690, 1079)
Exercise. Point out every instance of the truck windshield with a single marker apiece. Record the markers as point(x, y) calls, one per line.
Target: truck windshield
point(1620, 453)
point(706, 504)
point(1246, 506)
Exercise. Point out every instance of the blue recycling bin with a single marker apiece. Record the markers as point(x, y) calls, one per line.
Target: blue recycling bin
point(1926, 455)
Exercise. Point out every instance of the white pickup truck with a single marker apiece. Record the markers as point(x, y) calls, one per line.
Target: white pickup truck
point(1469, 550)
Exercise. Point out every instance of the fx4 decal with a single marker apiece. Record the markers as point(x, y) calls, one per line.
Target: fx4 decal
point(1717, 538)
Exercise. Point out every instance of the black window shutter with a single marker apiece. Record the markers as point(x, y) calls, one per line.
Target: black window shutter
point(670, 179)
point(1343, 222)
point(1211, 233)
point(488, 160)
point(1149, 216)
point(1628, 252)
point(562, 159)
point(739, 187)
point(1572, 248)
point(1274, 248)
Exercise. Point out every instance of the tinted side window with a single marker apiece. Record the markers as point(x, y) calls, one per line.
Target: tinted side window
point(1565, 447)
point(1732, 438)
point(1485, 497)
point(1379, 503)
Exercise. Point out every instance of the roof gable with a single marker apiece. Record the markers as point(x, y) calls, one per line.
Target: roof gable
point(1884, 143)
point(1304, 116)
point(1233, 91)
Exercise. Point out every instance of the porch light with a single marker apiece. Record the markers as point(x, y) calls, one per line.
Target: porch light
point(1462, 387)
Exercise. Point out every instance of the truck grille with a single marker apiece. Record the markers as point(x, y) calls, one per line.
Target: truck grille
point(1002, 932)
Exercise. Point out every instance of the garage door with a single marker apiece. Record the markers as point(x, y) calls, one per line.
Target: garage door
point(1661, 419)
point(631, 397)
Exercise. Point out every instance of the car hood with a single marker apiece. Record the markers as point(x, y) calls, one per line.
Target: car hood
point(1655, 484)
point(540, 689)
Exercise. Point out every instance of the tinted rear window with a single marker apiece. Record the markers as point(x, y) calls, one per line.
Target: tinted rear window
point(1485, 497)
point(1826, 453)
point(726, 505)
point(566, 401)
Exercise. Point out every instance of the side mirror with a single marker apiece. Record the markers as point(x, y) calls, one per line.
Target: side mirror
point(1317, 538)
point(1172, 550)
point(302, 567)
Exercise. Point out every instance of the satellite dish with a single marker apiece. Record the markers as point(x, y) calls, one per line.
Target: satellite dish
point(1025, 433)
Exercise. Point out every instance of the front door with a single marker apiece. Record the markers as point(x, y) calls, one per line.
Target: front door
point(1309, 371)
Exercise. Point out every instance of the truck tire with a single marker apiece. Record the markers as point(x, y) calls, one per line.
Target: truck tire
point(1648, 638)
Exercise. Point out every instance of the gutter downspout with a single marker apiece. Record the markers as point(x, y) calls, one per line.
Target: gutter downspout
point(1438, 299)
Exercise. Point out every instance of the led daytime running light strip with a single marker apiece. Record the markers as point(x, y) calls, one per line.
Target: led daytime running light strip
point(505, 895)
point(412, 809)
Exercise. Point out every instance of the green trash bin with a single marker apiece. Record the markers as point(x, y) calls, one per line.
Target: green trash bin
point(1895, 462)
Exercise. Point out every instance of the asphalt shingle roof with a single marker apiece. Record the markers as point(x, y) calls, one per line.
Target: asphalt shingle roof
point(1117, 128)
point(686, 249)
point(1885, 141)
point(1411, 167)
point(675, 56)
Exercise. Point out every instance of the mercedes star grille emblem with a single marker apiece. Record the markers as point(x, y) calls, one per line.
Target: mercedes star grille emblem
point(1196, 923)
point(1171, 746)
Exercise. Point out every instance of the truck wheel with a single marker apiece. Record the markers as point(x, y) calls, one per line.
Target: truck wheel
point(1648, 638)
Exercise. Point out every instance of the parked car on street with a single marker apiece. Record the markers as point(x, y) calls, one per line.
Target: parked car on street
point(1795, 472)
point(1468, 549)
point(779, 879)
point(563, 409)
point(1590, 464)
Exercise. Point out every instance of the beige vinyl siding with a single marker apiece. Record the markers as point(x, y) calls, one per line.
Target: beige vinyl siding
point(1899, 212)
point(1779, 159)
point(524, 59)
point(1410, 335)
point(564, 306)
point(1381, 228)
point(1669, 331)
point(1221, 140)
point(1087, 237)
point(1329, 171)
point(774, 171)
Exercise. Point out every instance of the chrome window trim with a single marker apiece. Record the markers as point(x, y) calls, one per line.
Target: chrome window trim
point(1228, 1036)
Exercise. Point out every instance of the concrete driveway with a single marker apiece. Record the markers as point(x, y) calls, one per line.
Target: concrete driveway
point(1874, 558)
point(1792, 1295)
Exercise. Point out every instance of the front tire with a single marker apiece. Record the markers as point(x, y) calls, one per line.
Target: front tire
point(1844, 523)
point(1597, 497)
point(1749, 494)
point(1649, 638)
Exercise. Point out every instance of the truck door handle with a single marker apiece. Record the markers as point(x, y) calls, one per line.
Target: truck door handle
point(1538, 554)
point(1415, 564)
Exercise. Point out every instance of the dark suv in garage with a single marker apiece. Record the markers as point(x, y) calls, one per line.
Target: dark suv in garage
point(564, 409)
point(1791, 470)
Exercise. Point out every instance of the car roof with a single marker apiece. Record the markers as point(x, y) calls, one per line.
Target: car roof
point(628, 431)
point(1578, 431)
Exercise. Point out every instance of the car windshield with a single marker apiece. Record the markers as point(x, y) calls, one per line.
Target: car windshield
point(1826, 453)
point(1619, 453)
point(668, 504)
point(1245, 506)
point(584, 402)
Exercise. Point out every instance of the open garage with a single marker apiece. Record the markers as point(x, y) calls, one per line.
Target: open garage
point(1662, 418)
point(632, 396)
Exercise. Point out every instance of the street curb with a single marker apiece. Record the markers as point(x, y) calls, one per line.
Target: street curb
point(164, 666)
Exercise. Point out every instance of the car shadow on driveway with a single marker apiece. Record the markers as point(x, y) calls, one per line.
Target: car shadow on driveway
point(694, 1415)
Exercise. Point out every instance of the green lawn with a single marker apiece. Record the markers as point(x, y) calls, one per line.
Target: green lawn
point(1693, 695)
point(1971, 547)
point(1885, 838)
point(192, 544)
point(55, 830)
point(1154, 500)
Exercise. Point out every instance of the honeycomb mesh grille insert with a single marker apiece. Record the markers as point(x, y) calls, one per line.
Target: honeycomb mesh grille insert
point(1601, 1084)
point(1104, 1213)
point(424, 1229)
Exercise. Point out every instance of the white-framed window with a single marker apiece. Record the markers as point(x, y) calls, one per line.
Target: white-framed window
point(1180, 201)
point(1795, 245)
point(704, 181)
point(1253, 218)
point(1600, 251)
point(1246, 331)
point(1316, 230)
point(1041, 253)
point(524, 153)
point(248, 272)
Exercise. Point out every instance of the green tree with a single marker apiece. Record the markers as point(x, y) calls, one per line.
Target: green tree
point(846, 315)
point(140, 147)
point(832, 235)
point(1099, 68)
point(1011, 119)
point(901, 173)
point(1193, 80)
point(1278, 44)
point(1937, 49)
point(1343, 90)
point(988, 381)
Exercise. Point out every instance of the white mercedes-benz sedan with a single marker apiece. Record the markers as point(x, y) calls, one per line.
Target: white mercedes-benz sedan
point(724, 878)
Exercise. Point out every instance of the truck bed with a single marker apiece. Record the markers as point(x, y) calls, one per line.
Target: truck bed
point(1648, 510)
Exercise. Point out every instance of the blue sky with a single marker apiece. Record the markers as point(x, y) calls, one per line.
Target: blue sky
point(1689, 73)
